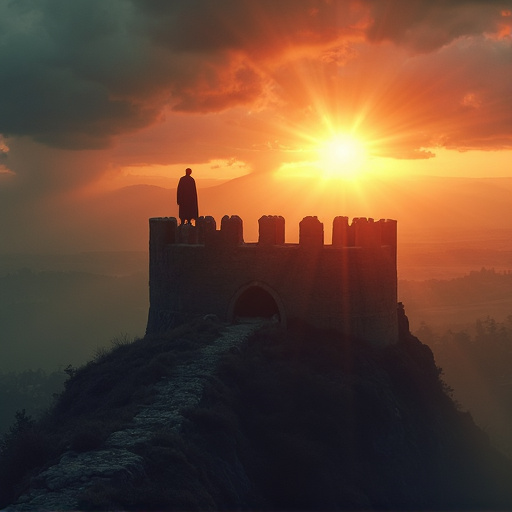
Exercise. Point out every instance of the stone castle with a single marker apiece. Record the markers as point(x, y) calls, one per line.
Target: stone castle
point(350, 285)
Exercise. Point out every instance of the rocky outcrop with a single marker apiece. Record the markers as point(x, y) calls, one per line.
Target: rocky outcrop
point(291, 419)
point(60, 486)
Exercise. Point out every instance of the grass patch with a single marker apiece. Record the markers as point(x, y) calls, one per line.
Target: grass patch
point(300, 419)
point(99, 398)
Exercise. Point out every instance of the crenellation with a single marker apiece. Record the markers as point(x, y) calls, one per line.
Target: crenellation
point(206, 227)
point(341, 232)
point(162, 232)
point(389, 232)
point(311, 233)
point(232, 230)
point(271, 230)
point(187, 234)
point(367, 232)
point(349, 286)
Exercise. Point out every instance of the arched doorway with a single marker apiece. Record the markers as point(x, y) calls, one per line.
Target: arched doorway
point(256, 300)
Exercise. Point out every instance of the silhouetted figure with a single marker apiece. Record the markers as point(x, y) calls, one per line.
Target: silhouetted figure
point(187, 198)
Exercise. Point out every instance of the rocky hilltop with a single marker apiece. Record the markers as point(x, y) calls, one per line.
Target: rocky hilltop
point(251, 416)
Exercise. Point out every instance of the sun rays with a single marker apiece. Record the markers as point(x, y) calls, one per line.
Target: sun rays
point(342, 156)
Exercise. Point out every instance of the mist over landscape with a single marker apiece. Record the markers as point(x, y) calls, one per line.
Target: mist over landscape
point(58, 310)
point(392, 109)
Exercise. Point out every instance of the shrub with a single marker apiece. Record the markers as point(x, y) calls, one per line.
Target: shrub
point(24, 448)
point(99, 398)
point(88, 436)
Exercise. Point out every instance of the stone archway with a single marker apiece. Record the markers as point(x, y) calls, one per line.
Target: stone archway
point(256, 300)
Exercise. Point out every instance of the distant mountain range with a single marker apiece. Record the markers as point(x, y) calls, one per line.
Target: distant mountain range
point(430, 205)
point(428, 208)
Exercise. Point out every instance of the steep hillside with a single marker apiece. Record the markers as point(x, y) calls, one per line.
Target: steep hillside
point(297, 419)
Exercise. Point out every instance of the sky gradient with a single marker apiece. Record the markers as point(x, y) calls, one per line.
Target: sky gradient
point(98, 95)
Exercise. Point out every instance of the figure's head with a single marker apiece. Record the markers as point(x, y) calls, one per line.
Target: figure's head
point(188, 170)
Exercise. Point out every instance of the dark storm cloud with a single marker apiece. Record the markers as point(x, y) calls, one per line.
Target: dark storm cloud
point(425, 25)
point(257, 27)
point(74, 74)
point(63, 65)
point(39, 168)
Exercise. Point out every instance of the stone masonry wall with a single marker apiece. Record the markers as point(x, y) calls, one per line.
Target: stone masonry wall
point(350, 285)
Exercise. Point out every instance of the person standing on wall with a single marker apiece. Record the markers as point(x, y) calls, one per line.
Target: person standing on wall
point(187, 198)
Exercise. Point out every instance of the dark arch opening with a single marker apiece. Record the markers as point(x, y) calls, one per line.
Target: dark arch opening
point(255, 302)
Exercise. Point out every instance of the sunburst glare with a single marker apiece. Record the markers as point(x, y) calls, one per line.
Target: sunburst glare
point(342, 156)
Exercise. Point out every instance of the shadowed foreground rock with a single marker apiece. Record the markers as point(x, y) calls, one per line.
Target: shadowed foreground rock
point(59, 487)
point(262, 418)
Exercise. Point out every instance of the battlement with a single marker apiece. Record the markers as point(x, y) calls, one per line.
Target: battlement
point(349, 285)
point(362, 232)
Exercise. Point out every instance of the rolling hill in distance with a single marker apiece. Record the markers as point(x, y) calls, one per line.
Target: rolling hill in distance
point(429, 210)
point(446, 226)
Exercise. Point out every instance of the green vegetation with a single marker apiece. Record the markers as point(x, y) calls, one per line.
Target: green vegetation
point(325, 424)
point(467, 323)
point(477, 364)
point(98, 398)
point(485, 284)
point(456, 303)
point(30, 390)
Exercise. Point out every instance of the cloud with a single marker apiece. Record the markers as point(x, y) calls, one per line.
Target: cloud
point(468, 94)
point(38, 169)
point(426, 25)
point(78, 75)
point(89, 87)
point(63, 69)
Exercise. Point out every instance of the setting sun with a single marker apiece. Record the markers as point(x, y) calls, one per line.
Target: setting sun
point(339, 156)
point(342, 156)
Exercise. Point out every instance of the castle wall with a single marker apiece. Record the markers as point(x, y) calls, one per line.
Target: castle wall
point(348, 287)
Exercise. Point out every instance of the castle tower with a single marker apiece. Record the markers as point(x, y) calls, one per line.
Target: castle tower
point(349, 286)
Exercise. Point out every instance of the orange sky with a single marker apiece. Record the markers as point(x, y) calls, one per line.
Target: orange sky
point(98, 96)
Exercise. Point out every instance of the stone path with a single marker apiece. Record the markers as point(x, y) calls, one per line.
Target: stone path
point(57, 487)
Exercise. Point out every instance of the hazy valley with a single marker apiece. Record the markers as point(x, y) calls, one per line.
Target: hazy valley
point(61, 309)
